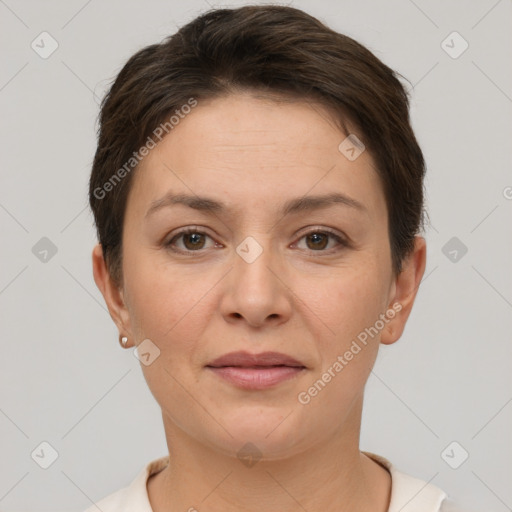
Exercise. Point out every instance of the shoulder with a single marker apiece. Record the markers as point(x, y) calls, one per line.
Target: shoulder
point(112, 503)
point(411, 494)
point(134, 497)
point(449, 505)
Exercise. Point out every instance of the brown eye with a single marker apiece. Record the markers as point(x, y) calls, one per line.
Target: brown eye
point(318, 240)
point(193, 241)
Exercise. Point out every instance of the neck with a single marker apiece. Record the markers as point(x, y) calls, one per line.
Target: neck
point(330, 477)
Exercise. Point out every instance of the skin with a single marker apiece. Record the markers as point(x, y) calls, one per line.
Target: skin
point(304, 297)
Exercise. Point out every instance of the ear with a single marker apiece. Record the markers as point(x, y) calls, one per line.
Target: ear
point(404, 290)
point(113, 295)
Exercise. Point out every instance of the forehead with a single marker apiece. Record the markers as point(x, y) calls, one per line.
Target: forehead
point(245, 123)
point(257, 150)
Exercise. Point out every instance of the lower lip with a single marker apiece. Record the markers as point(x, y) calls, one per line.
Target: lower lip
point(256, 378)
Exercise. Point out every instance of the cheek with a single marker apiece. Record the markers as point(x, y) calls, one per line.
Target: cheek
point(168, 311)
point(349, 301)
point(164, 300)
point(172, 308)
point(349, 304)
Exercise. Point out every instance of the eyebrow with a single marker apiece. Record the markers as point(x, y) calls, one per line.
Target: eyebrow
point(299, 204)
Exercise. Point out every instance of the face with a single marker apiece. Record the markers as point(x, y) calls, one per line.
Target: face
point(260, 272)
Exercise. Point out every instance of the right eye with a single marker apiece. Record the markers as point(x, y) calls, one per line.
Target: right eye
point(193, 240)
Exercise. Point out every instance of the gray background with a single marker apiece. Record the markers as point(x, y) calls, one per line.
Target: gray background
point(64, 378)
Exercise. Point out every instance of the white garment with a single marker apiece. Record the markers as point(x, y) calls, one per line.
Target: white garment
point(408, 494)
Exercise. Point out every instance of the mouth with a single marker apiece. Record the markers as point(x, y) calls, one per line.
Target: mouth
point(248, 360)
point(256, 371)
point(259, 377)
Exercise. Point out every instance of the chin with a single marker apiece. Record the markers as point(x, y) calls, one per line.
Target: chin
point(260, 432)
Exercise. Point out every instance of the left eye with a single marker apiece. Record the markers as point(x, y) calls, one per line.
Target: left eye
point(194, 241)
point(320, 239)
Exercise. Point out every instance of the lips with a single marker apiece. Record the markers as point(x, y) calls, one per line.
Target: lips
point(248, 360)
point(256, 372)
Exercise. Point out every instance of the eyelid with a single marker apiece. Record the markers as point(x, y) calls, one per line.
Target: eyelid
point(322, 229)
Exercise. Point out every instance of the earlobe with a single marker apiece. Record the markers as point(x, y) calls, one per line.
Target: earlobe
point(112, 294)
point(405, 289)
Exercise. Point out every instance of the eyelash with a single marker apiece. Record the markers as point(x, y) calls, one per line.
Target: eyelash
point(187, 231)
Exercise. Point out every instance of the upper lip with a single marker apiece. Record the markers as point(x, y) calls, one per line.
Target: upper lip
point(247, 359)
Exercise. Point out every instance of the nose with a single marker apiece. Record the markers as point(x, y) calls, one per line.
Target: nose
point(255, 290)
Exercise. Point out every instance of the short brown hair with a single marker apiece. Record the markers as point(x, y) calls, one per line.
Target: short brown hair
point(274, 50)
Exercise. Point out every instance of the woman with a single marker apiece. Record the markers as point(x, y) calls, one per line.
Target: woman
point(258, 193)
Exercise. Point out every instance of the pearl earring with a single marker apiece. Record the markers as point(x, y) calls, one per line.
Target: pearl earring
point(123, 340)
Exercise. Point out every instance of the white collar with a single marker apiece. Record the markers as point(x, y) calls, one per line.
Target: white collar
point(408, 494)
